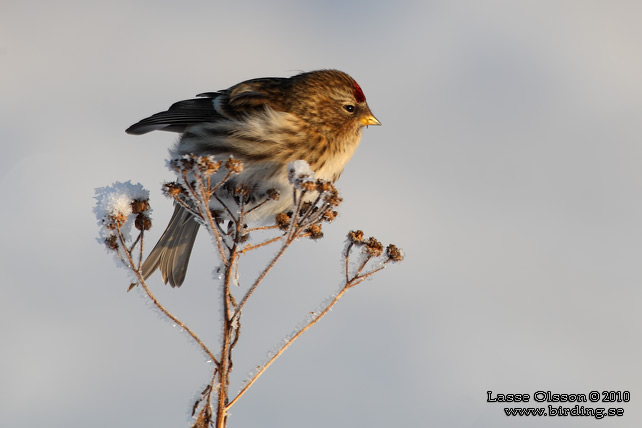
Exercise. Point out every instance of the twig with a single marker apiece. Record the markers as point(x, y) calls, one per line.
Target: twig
point(203, 209)
point(221, 183)
point(347, 257)
point(287, 345)
point(140, 254)
point(262, 244)
point(309, 213)
point(224, 366)
point(260, 278)
point(356, 280)
point(161, 307)
point(294, 224)
point(306, 220)
point(252, 229)
point(259, 205)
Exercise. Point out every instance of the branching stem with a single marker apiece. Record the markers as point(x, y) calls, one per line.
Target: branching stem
point(160, 307)
point(305, 220)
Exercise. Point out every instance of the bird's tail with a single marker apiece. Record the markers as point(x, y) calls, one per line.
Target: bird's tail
point(171, 253)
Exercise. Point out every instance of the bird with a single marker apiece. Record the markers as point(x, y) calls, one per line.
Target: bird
point(266, 123)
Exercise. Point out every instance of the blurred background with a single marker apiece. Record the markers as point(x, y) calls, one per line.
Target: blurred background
point(507, 168)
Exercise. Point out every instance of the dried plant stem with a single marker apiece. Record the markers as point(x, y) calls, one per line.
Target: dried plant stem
point(156, 303)
point(225, 358)
point(217, 235)
point(226, 208)
point(176, 320)
point(259, 245)
point(140, 254)
point(362, 266)
point(357, 279)
point(347, 258)
point(219, 184)
point(309, 213)
point(291, 234)
point(257, 206)
point(288, 343)
point(194, 191)
point(259, 279)
point(202, 207)
point(294, 225)
point(252, 229)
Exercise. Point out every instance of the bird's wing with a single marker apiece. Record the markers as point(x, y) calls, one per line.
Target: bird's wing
point(180, 115)
point(233, 103)
point(254, 94)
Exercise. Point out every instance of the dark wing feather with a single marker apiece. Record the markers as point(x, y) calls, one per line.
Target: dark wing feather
point(233, 103)
point(179, 116)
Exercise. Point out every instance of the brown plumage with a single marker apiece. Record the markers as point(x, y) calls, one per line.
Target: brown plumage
point(266, 123)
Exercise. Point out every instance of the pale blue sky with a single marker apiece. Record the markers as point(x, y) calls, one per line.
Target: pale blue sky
point(507, 168)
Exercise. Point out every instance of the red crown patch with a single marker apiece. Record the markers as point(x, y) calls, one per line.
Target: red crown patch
point(358, 93)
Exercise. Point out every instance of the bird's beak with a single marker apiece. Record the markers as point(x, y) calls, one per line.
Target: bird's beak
point(370, 120)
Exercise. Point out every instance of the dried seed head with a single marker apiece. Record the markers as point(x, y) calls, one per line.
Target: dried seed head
point(374, 248)
point(393, 253)
point(173, 189)
point(356, 237)
point(139, 206)
point(234, 165)
point(242, 194)
point(325, 186)
point(332, 198)
point(330, 215)
point(282, 220)
point(111, 242)
point(110, 225)
point(315, 231)
point(142, 222)
point(207, 165)
point(241, 190)
point(273, 194)
point(308, 186)
point(184, 163)
point(116, 220)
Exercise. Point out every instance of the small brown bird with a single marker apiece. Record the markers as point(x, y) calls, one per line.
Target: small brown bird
point(266, 123)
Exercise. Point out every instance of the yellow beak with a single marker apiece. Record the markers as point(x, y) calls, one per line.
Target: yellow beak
point(369, 120)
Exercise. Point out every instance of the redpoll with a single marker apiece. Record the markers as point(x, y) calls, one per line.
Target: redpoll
point(266, 123)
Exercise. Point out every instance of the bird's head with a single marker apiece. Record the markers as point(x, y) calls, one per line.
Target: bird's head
point(331, 101)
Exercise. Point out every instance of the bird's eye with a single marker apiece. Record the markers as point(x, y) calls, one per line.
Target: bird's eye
point(349, 108)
